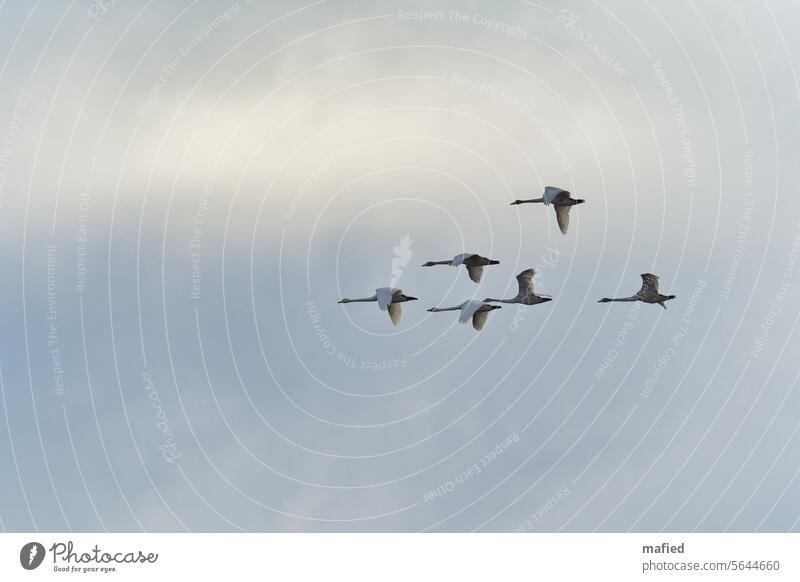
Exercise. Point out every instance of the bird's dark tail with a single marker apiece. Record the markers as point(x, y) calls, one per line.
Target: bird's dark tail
point(492, 262)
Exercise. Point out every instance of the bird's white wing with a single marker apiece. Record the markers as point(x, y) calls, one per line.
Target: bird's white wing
point(395, 312)
point(562, 217)
point(475, 273)
point(384, 295)
point(459, 259)
point(551, 192)
point(468, 308)
point(525, 280)
point(479, 319)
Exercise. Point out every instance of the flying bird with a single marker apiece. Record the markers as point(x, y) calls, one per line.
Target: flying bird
point(647, 294)
point(561, 200)
point(526, 295)
point(473, 309)
point(389, 299)
point(473, 263)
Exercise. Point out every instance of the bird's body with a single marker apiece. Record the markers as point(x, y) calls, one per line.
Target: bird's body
point(561, 200)
point(474, 310)
point(647, 294)
point(474, 264)
point(526, 294)
point(389, 299)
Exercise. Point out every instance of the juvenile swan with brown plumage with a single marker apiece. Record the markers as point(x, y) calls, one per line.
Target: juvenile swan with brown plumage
point(647, 294)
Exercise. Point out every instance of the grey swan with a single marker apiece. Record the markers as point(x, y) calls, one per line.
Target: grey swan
point(647, 294)
point(477, 311)
point(526, 294)
point(561, 200)
point(389, 299)
point(473, 263)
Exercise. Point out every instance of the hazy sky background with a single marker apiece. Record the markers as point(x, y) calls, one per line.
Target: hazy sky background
point(288, 153)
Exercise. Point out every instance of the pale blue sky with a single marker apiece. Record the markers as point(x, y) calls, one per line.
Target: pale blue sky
point(296, 145)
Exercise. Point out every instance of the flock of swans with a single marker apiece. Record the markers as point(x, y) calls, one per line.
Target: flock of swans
point(391, 299)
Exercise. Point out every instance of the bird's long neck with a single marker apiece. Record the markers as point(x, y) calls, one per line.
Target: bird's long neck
point(631, 298)
point(363, 299)
point(532, 200)
point(498, 301)
point(456, 308)
point(431, 263)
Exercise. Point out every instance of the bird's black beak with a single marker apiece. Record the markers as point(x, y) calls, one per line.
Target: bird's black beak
point(515, 202)
point(411, 298)
point(431, 309)
point(580, 201)
point(546, 299)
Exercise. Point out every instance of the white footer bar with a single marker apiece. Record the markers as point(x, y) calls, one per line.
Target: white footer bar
point(401, 557)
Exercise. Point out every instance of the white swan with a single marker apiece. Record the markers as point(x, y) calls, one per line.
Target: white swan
point(647, 294)
point(473, 263)
point(526, 295)
point(389, 299)
point(473, 309)
point(561, 200)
